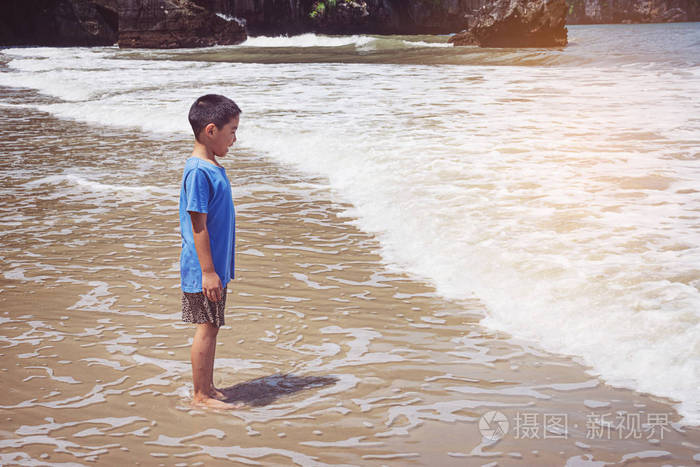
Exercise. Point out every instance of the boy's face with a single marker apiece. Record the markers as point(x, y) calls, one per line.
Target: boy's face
point(220, 139)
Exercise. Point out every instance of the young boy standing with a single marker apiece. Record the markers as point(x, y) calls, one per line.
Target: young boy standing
point(207, 227)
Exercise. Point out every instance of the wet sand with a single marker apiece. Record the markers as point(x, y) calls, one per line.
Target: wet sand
point(340, 359)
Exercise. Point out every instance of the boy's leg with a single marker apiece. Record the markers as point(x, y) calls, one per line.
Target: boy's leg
point(202, 356)
point(213, 392)
point(208, 316)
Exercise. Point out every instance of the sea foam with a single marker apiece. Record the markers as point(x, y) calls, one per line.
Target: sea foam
point(306, 40)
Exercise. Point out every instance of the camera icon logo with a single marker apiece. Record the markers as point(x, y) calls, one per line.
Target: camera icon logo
point(493, 425)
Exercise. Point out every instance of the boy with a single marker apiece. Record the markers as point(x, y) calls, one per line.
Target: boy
point(207, 227)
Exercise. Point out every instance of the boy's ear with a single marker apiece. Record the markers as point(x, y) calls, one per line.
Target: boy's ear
point(209, 129)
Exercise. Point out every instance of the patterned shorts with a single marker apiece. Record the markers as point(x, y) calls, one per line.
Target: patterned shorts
point(196, 308)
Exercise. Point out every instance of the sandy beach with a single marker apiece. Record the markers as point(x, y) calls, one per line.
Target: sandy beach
point(340, 358)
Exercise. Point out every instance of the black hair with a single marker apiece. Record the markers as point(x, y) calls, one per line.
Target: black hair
point(212, 108)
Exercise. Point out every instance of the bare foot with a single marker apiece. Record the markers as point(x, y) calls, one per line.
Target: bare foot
point(211, 403)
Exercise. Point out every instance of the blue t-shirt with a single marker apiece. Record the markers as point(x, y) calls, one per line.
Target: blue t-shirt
point(206, 188)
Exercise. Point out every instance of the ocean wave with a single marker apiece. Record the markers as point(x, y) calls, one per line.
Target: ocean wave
point(306, 40)
point(426, 44)
point(84, 184)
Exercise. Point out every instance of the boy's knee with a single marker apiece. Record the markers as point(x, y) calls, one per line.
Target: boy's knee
point(208, 328)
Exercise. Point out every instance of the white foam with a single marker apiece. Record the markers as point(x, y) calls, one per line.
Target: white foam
point(78, 184)
point(228, 18)
point(306, 40)
point(427, 44)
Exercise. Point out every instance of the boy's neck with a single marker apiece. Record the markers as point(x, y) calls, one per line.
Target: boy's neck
point(202, 152)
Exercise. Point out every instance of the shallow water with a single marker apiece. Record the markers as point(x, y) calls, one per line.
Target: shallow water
point(340, 359)
point(392, 218)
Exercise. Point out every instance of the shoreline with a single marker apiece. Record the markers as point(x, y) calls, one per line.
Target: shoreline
point(362, 364)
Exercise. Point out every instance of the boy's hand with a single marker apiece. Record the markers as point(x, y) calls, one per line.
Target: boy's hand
point(211, 286)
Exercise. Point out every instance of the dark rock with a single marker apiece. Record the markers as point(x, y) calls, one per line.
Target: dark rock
point(58, 22)
point(410, 17)
point(342, 15)
point(356, 16)
point(270, 17)
point(170, 24)
point(517, 23)
point(273, 17)
point(441, 16)
point(674, 15)
point(384, 18)
point(191, 23)
point(349, 16)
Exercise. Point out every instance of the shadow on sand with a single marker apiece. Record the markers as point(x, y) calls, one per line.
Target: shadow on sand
point(265, 390)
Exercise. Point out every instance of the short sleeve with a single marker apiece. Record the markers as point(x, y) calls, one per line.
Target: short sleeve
point(197, 191)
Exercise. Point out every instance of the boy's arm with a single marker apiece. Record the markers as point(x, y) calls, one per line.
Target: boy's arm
point(211, 283)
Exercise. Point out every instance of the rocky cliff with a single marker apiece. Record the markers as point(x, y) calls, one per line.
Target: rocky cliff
point(194, 22)
point(348, 16)
point(58, 22)
point(426, 16)
point(517, 23)
point(175, 23)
